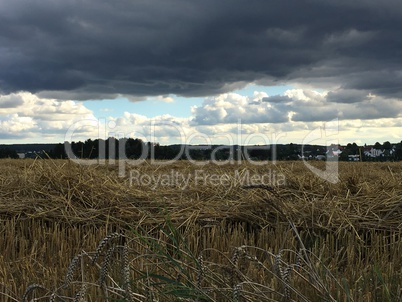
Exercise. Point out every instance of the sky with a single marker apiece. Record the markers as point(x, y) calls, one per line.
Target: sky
point(201, 72)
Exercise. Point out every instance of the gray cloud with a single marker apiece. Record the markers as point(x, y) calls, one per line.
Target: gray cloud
point(277, 99)
point(347, 96)
point(102, 49)
point(10, 101)
point(345, 105)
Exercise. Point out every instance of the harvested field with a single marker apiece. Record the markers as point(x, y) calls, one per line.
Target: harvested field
point(183, 232)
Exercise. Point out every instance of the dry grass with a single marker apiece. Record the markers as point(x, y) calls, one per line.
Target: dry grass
point(52, 211)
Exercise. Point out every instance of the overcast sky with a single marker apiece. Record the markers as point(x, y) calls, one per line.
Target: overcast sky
point(193, 71)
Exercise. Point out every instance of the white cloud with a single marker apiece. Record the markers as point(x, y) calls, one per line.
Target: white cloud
point(26, 115)
point(233, 107)
point(165, 98)
point(134, 118)
point(235, 118)
point(229, 118)
point(295, 105)
point(14, 123)
point(308, 97)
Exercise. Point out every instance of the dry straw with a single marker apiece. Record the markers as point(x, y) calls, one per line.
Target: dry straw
point(351, 231)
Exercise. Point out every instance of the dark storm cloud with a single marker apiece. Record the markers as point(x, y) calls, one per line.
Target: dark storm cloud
point(102, 49)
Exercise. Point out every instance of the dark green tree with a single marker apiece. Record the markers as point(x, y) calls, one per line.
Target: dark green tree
point(58, 152)
point(387, 145)
point(377, 145)
point(8, 153)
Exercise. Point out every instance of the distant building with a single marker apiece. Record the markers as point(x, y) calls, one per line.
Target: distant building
point(372, 152)
point(334, 151)
point(354, 157)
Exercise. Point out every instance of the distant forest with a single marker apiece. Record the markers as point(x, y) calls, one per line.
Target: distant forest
point(129, 148)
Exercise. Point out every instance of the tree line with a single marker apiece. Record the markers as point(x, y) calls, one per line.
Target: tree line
point(129, 148)
point(134, 148)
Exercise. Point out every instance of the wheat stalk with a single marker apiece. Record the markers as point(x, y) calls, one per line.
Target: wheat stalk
point(126, 273)
point(278, 265)
point(52, 297)
point(236, 255)
point(105, 266)
point(234, 261)
point(103, 243)
point(71, 269)
point(286, 279)
point(236, 293)
point(79, 297)
point(201, 270)
point(30, 289)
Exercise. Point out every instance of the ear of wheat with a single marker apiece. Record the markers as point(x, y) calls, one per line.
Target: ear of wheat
point(105, 266)
point(30, 289)
point(103, 244)
point(286, 279)
point(71, 270)
point(236, 293)
point(80, 296)
point(278, 265)
point(200, 270)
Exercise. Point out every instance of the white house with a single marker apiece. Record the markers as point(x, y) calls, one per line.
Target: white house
point(374, 152)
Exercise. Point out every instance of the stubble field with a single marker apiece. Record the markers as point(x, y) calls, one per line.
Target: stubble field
point(185, 232)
